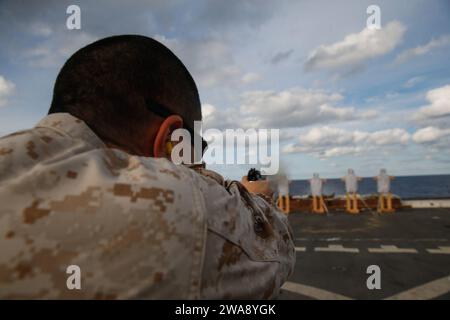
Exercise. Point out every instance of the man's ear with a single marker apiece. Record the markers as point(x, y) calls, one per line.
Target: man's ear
point(170, 124)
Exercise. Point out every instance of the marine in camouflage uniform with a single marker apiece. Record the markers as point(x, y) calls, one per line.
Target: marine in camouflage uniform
point(138, 227)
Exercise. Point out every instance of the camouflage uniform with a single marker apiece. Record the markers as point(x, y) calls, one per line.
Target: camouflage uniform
point(137, 227)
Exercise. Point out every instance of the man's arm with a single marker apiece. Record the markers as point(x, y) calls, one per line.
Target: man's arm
point(249, 248)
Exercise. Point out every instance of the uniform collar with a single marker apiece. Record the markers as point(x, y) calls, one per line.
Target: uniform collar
point(69, 125)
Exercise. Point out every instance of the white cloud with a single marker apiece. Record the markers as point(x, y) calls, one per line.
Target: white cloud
point(356, 48)
point(54, 51)
point(430, 135)
point(6, 89)
point(41, 29)
point(325, 152)
point(328, 141)
point(209, 60)
point(294, 107)
point(389, 136)
point(412, 82)
point(250, 77)
point(214, 117)
point(369, 114)
point(439, 106)
point(208, 110)
point(341, 151)
point(290, 108)
point(324, 136)
point(421, 50)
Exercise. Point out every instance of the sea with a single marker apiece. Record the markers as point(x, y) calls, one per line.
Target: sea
point(407, 187)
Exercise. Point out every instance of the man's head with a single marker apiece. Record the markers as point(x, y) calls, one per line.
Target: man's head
point(130, 90)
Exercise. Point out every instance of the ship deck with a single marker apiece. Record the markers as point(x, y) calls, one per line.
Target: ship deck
point(411, 247)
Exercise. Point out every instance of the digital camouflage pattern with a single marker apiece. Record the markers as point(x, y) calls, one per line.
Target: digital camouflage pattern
point(137, 227)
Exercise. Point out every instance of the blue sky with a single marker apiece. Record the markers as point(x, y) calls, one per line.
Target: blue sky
point(342, 96)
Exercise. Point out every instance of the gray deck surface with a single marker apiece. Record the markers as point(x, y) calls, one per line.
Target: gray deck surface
point(336, 274)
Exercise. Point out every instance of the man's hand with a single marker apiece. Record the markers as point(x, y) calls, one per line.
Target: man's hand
point(261, 186)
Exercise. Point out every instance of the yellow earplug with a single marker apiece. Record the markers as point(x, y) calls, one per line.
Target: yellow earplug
point(169, 148)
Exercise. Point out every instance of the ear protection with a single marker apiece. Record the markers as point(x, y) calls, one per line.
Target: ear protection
point(173, 120)
point(169, 148)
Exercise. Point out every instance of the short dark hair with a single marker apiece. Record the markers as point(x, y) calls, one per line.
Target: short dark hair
point(119, 85)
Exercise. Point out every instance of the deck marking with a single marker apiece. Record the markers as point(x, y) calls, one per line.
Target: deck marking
point(426, 291)
point(336, 248)
point(382, 249)
point(313, 292)
point(441, 250)
point(391, 249)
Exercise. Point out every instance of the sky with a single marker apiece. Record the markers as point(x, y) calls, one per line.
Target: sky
point(342, 95)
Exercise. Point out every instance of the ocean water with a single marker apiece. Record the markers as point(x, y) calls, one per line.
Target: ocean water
point(408, 187)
